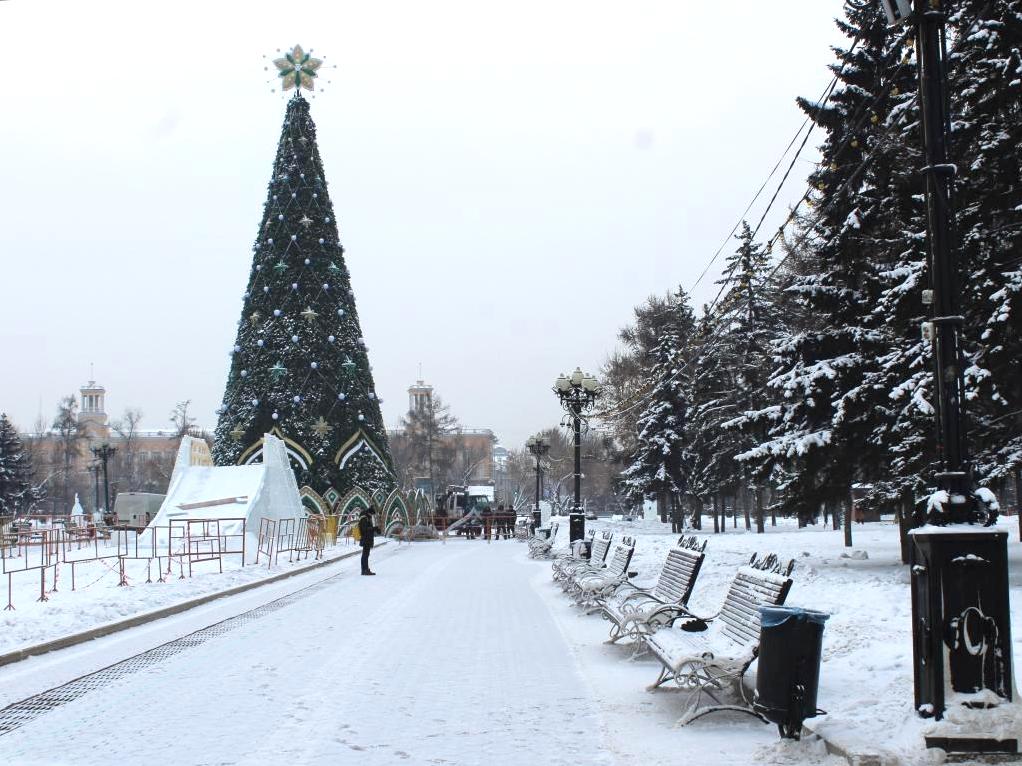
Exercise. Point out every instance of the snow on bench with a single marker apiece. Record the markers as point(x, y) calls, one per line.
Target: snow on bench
point(591, 585)
point(632, 610)
point(710, 655)
point(540, 548)
point(571, 569)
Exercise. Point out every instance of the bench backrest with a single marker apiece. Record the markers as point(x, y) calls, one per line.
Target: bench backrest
point(622, 557)
point(598, 553)
point(680, 571)
point(761, 582)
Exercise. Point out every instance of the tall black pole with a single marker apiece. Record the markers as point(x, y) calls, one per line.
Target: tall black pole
point(537, 514)
point(578, 394)
point(103, 454)
point(95, 484)
point(961, 620)
point(578, 463)
point(954, 475)
point(106, 486)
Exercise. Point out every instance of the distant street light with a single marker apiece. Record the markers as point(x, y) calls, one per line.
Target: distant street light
point(538, 447)
point(103, 455)
point(578, 393)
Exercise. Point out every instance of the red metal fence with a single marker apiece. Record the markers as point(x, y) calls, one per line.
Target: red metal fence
point(41, 543)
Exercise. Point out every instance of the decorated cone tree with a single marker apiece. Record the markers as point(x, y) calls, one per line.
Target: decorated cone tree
point(300, 366)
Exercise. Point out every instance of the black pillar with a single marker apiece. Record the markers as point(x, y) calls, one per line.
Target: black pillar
point(537, 514)
point(954, 475)
point(577, 519)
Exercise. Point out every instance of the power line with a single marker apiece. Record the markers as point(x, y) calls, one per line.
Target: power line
point(859, 120)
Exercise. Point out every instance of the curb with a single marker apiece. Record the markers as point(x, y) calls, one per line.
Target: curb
point(141, 619)
point(853, 758)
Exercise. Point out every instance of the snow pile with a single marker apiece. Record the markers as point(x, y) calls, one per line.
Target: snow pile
point(201, 491)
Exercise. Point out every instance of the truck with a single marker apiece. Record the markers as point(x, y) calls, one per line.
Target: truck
point(136, 509)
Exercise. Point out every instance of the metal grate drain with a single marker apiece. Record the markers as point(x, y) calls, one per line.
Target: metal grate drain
point(20, 713)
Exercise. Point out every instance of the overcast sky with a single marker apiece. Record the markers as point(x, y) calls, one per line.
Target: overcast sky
point(510, 179)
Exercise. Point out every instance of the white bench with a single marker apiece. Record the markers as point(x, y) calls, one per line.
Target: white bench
point(540, 547)
point(588, 586)
point(569, 571)
point(632, 610)
point(715, 653)
point(572, 556)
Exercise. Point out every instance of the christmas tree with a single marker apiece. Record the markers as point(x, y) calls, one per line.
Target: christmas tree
point(300, 366)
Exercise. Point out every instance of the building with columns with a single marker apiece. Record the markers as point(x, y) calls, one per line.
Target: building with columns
point(142, 461)
point(470, 451)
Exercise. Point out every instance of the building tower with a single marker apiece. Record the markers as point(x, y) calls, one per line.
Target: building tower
point(419, 396)
point(92, 417)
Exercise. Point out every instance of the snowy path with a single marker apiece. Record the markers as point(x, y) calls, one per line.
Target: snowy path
point(457, 654)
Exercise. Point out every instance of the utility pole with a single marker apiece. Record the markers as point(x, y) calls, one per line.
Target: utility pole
point(955, 475)
point(94, 470)
point(538, 447)
point(578, 393)
point(961, 622)
point(103, 455)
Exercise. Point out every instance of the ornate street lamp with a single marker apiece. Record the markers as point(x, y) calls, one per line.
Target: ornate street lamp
point(103, 455)
point(538, 447)
point(578, 393)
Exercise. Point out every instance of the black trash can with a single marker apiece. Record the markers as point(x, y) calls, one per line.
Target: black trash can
point(788, 674)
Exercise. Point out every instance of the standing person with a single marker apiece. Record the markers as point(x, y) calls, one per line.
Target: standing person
point(440, 522)
point(487, 522)
point(367, 537)
point(498, 518)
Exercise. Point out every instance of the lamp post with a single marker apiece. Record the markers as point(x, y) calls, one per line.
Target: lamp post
point(103, 455)
point(961, 621)
point(578, 393)
point(538, 447)
point(94, 470)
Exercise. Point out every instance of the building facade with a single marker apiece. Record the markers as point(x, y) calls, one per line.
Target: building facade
point(66, 463)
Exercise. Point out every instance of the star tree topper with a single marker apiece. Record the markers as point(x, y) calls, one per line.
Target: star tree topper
point(297, 69)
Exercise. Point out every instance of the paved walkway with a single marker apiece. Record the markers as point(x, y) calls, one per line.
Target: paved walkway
point(447, 656)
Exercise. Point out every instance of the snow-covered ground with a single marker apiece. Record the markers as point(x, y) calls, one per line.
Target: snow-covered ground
point(98, 599)
point(468, 653)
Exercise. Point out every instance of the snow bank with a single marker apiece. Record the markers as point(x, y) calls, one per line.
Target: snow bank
point(201, 491)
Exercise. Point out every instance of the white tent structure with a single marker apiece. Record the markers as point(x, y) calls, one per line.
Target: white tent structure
point(201, 491)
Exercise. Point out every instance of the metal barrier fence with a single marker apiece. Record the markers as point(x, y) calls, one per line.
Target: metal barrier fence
point(31, 547)
point(267, 540)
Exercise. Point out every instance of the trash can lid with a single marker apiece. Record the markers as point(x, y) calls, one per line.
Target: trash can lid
point(771, 616)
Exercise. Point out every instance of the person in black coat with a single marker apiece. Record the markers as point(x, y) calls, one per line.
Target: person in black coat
point(366, 537)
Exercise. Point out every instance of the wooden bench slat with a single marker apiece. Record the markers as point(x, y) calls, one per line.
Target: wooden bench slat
point(733, 632)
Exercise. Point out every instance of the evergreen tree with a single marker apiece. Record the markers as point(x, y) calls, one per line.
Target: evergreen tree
point(824, 408)
point(421, 451)
point(986, 71)
point(628, 372)
point(708, 474)
point(17, 494)
point(300, 366)
point(659, 463)
point(748, 323)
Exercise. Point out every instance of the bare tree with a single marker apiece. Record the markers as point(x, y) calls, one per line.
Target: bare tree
point(126, 465)
point(424, 448)
point(68, 437)
point(184, 424)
